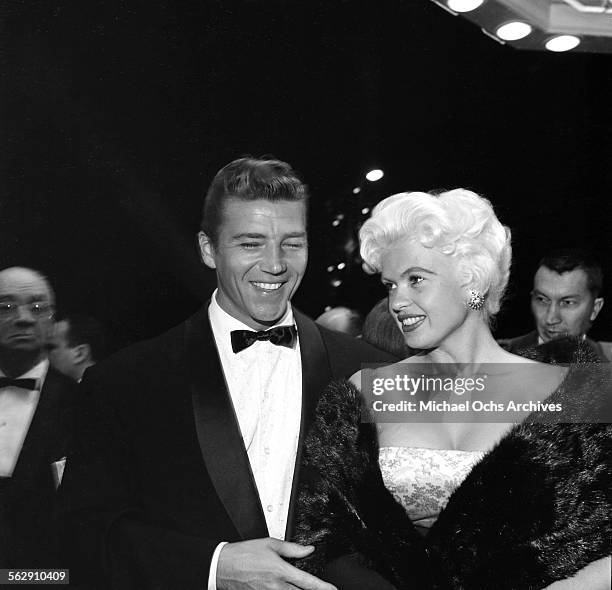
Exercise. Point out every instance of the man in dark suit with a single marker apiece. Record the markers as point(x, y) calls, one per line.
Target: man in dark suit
point(78, 343)
point(35, 403)
point(565, 301)
point(188, 453)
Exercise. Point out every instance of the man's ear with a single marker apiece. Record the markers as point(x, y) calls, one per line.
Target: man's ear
point(597, 305)
point(207, 250)
point(81, 353)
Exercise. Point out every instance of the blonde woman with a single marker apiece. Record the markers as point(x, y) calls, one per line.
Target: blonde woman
point(498, 504)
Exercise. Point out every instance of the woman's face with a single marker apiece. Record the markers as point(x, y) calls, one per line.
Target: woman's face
point(426, 297)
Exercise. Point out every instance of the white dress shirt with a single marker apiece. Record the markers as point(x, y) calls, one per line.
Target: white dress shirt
point(265, 386)
point(17, 407)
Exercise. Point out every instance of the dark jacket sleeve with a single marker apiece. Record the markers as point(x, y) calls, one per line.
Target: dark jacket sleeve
point(109, 543)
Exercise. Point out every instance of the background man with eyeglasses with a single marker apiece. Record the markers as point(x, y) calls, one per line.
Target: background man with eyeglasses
point(35, 402)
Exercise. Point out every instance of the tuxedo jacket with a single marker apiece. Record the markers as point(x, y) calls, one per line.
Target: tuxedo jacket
point(28, 499)
point(159, 474)
point(525, 343)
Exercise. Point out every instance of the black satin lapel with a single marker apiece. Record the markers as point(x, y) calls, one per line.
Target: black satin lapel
point(218, 432)
point(41, 442)
point(316, 370)
point(316, 374)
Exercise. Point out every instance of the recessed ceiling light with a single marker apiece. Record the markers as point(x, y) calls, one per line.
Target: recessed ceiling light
point(374, 175)
point(513, 31)
point(464, 5)
point(562, 43)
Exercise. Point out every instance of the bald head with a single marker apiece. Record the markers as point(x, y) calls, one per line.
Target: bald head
point(20, 277)
point(26, 310)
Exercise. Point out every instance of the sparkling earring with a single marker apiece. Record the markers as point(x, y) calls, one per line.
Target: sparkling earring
point(476, 300)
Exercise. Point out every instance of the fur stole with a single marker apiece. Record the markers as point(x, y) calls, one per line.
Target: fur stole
point(536, 509)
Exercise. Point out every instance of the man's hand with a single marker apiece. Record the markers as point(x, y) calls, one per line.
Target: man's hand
point(259, 565)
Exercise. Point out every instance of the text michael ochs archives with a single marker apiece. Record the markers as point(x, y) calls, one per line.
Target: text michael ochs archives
point(419, 392)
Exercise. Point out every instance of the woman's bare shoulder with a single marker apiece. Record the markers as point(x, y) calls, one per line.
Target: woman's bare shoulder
point(383, 371)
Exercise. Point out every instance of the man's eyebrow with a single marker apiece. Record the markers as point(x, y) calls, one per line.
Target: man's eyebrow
point(568, 296)
point(249, 235)
point(34, 298)
point(258, 236)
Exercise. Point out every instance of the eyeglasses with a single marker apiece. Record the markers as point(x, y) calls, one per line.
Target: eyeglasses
point(38, 309)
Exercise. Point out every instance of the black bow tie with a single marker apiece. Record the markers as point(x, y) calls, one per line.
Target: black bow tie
point(281, 336)
point(23, 383)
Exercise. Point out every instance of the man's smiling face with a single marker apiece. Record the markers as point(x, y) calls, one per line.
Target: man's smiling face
point(260, 258)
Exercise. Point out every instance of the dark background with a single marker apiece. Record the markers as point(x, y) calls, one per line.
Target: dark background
point(116, 115)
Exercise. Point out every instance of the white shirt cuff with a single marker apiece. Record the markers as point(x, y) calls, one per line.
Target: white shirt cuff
point(212, 574)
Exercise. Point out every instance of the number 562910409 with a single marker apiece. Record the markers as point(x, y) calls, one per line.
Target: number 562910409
point(34, 576)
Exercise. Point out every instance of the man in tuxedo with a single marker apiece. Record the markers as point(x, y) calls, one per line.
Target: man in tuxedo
point(187, 462)
point(78, 343)
point(565, 301)
point(35, 403)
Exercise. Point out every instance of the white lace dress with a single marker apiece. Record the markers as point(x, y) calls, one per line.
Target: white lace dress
point(422, 480)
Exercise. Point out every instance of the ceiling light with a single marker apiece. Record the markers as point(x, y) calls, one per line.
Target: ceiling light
point(374, 175)
point(464, 5)
point(562, 43)
point(582, 6)
point(513, 31)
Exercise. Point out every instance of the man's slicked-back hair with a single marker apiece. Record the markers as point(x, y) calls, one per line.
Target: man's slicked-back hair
point(568, 259)
point(249, 179)
point(83, 329)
